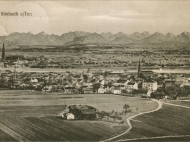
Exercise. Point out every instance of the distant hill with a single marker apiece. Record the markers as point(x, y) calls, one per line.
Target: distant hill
point(136, 39)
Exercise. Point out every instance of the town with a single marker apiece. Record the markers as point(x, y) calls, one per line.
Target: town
point(92, 81)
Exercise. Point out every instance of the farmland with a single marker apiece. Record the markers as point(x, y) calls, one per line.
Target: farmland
point(29, 115)
point(183, 103)
point(55, 129)
point(168, 123)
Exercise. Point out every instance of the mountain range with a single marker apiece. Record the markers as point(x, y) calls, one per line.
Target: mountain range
point(135, 39)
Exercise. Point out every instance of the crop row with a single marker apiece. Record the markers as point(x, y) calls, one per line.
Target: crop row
point(5, 137)
point(68, 130)
point(170, 118)
point(28, 131)
point(55, 129)
point(100, 131)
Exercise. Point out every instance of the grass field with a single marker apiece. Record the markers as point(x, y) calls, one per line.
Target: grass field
point(33, 115)
point(168, 121)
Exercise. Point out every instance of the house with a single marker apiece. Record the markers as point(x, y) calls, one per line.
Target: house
point(112, 77)
point(79, 112)
point(88, 90)
point(70, 116)
point(69, 89)
point(169, 82)
point(150, 85)
point(87, 83)
point(117, 72)
point(147, 73)
point(33, 80)
point(47, 89)
point(101, 90)
point(131, 86)
point(121, 82)
point(117, 90)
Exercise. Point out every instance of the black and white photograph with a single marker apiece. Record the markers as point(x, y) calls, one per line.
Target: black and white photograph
point(91, 70)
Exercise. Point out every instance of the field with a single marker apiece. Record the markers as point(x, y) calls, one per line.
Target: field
point(167, 124)
point(30, 115)
point(180, 102)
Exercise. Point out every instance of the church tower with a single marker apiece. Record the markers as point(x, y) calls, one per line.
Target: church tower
point(139, 69)
point(3, 54)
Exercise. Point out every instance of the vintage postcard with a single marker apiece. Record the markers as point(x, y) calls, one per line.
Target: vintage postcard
point(95, 70)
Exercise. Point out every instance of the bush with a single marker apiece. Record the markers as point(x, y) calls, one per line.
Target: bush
point(126, 108)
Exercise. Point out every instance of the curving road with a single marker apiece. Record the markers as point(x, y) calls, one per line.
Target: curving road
point(130, 118)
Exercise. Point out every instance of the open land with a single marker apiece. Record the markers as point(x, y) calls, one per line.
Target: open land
point(167, 124)
point(29, 115)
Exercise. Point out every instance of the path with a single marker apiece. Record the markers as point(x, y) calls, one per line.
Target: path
point(130, 118)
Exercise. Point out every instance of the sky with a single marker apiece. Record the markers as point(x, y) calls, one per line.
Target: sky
point(58, 17)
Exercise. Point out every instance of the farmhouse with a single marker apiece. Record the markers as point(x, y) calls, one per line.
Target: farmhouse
point(79, 112)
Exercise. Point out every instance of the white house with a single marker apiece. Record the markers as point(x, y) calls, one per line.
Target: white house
point(112, 77)
point(150, 85)
point(131, 86)
point(101, 90)
point(47, 88)
point(70, 116)
point(121, 82)
point(34, 80)
point(117, 90)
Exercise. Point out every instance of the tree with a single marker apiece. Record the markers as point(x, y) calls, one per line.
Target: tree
point(158, 94)
point(126, 108)
point(85, 78)
point(110, 84)
point(96, 86)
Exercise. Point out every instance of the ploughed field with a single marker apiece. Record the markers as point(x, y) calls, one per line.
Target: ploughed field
point(56, 129)
point(32, 116)
point(167, 124)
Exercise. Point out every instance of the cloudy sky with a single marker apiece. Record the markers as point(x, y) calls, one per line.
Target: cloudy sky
point(58, 17)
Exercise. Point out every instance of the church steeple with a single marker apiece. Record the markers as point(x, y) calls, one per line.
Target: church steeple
point(139, 69)
point(3, 53)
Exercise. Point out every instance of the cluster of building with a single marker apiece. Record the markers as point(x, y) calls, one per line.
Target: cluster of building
point(90, 81)
point(79, 112)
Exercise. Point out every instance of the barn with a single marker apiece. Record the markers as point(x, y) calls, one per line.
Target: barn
point(80, 112)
